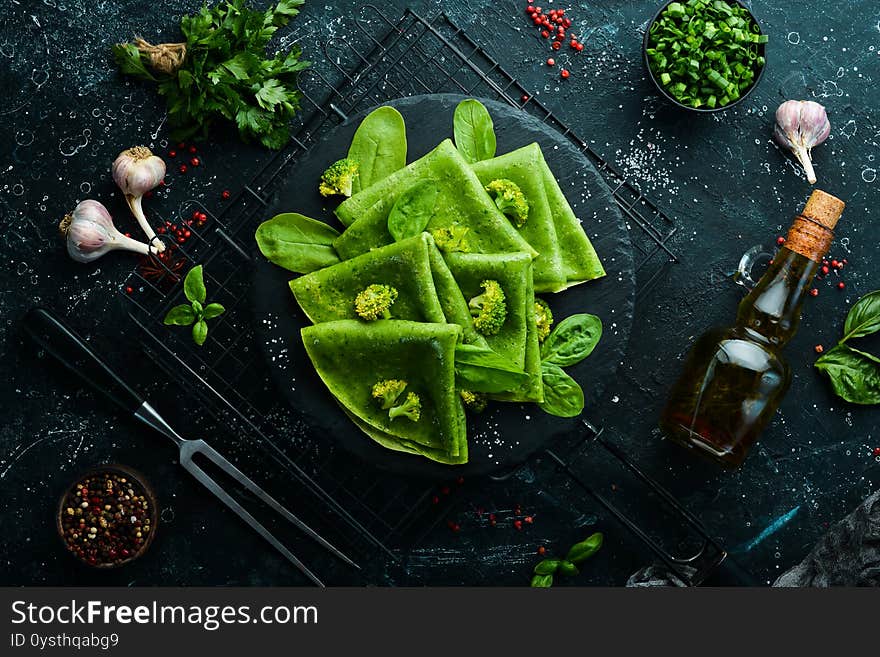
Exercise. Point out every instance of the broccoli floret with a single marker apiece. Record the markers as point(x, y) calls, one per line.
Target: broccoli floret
point(375, 302)
point(510, 200)
point(489, 309)
point(473, 401)
point(337, 180)
point(543, 319)
point(386, 392)
point(411, 408)
point(451, 238)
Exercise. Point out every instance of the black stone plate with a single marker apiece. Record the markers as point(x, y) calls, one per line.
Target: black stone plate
point(506, 434)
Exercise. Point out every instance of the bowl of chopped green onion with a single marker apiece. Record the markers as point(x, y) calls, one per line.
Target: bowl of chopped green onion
point(705, 55)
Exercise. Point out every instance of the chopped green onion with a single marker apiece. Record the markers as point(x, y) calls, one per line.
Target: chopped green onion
point(698, 47)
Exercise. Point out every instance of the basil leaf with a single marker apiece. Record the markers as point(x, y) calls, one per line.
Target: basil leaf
point(297, 243)
point(200, 332)
point(198, 309)
point(542, 581)
point(573, 339)
point(582, 551)
point(413, 210)
point(378, 146)
point(568, 568)
point(212, 310)
point(854, 374)
point(194, 285)
point(864, 317)
point(479, 369)
point(563, 397)
point(181, 315)
point(547, 567)
point(474, 131)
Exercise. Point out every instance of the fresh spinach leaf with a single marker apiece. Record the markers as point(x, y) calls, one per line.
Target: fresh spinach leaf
point(563, 397)
point(194, 285)
point(547, 566)
point(413, 210)
point(854, 374)
point(568, 568)
point(479, 369)
point(582, 551)
point(200, 332)
point(573, 339)
point(542, 581)
point(378, 146)
point(863, 318)
point(182, 315)
point(297, 243)
point(474, 131)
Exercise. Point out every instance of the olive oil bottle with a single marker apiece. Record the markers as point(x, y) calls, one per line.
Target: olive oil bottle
point(735, 378)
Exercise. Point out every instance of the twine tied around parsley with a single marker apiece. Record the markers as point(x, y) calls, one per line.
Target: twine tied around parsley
point(164, 57)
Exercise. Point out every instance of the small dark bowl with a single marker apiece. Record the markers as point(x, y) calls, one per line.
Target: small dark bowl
point(149, 493)
point(672, 99)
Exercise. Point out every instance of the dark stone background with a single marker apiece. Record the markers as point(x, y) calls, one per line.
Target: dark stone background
point(65, 114)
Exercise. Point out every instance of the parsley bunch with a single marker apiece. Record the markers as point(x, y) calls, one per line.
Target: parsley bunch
point(224, 74)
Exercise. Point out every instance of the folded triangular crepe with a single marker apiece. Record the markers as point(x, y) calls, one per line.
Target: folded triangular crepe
point(580, 263)
point(523, 167)
point(461, 202)
point(518, 338)
point(351, 356)
point(427, 292)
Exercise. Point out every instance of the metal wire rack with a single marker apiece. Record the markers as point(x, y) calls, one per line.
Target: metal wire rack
point(384, 59)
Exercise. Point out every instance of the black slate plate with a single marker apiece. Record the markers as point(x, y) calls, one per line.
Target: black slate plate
point(506, 434)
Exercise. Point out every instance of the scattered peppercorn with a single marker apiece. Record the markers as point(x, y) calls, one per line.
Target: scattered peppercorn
point(876, 451)
point(129, 290)
point(192, 149)
point(182, 168)
point(841, 285)
point(551, 62)
point(780, 240)
point(181, 146)
point(172, 153)
point(564, 74)
point(819, 348)
point(106, 518)
point(542, 550)
point(517, 524)
point(195, 161)
point(225, 195)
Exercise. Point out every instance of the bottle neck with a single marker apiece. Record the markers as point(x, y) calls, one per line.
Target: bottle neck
point(771, 312)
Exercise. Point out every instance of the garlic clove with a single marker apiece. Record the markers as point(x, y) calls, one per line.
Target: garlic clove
point(801, 125)
point(137, 171)
point(90, 233)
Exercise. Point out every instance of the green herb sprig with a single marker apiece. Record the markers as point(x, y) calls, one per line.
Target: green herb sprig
point(573, 339)
point(223, 74)
point(546, 569)
point(855, 374)
point(196, 313)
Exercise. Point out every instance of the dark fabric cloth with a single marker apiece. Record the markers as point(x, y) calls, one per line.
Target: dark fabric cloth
point(848, 555)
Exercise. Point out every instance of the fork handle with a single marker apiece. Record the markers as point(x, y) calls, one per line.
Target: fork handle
point(51, 333)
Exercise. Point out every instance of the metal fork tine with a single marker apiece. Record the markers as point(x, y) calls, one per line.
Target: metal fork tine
point(242, 513)
point(209, 452)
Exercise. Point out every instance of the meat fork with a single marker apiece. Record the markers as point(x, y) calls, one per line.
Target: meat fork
point(51, 333)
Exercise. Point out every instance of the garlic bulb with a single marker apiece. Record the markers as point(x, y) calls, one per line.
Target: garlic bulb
point(800, 125)
point(90, 233)
point(137, 171)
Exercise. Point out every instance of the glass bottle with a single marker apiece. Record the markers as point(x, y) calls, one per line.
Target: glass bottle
point(734, 378)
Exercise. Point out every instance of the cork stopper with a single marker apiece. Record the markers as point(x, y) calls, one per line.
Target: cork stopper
point(812, 231)
point(824, 209)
